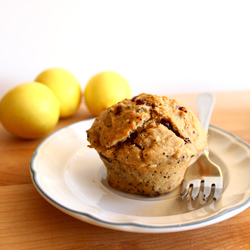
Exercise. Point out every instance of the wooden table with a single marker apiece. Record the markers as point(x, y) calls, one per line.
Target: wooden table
point(27, 221)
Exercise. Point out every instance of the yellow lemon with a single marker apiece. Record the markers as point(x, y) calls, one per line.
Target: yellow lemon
point(105, 89)
point(29, 110)
point(65, 86)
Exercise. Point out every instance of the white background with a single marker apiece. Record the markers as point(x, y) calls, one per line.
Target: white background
point(159, 46)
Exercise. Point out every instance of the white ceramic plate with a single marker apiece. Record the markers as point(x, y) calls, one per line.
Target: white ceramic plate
point(71, 177)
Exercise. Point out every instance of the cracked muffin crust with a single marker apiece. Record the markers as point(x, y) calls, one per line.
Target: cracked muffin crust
point(146, 143)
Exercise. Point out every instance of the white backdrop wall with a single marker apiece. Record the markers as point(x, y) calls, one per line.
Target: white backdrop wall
point(159, 46)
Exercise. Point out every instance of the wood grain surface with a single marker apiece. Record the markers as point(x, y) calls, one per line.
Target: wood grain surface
point(27, 221)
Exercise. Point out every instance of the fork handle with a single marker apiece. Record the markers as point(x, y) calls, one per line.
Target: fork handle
point(205, 104)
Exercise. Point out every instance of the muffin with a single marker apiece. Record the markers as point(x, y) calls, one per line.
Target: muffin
point(146, 143)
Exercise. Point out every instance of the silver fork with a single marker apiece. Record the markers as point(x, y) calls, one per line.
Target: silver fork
point(203, 173)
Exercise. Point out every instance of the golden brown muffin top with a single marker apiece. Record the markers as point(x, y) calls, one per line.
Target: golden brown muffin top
point(148, 122)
